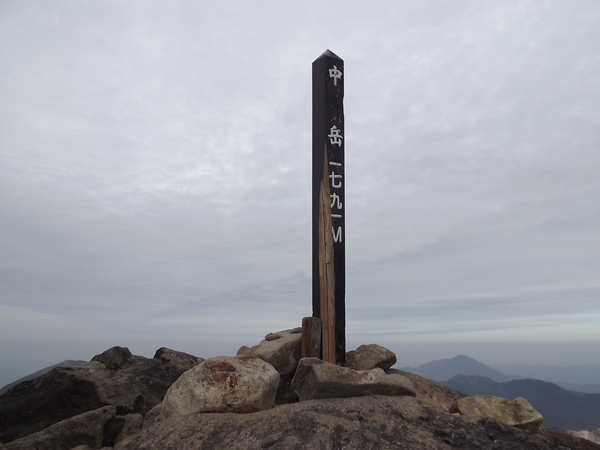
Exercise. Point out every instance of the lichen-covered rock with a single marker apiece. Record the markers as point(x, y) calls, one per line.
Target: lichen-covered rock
point(239, 384)
point(518, 413)
point(316, 379)
point(84, 429)
point(371, 356)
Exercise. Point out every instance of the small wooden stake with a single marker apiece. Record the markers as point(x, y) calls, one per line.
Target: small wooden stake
point(311, 337)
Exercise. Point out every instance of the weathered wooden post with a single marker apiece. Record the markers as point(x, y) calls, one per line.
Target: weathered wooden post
point(328, 203)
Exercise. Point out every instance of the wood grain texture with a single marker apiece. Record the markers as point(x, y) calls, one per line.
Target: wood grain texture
point(326, 270)
point(311, 338)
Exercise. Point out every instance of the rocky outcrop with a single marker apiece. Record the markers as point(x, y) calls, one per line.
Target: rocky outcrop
point(175, 363)
point(518, 413)
point(240, 384)
point(372, 356)
point(436, 394)
point(374, 422)
point(282, 351)
point(121, 427)
point(32, 376)
point(591, 435)
point(152, 416)
point(84, 429)
point(316, 379)
point(571, 442)
point(133, 384)
point(340, 408)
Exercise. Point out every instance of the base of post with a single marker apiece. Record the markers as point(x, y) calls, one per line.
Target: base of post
point(311, 337)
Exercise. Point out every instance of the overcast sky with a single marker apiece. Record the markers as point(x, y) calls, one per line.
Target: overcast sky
point(155, 176)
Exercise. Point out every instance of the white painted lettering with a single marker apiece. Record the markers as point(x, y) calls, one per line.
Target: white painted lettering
point(335, 201)
point(337, 235)
point(335, 136)
point(335, 74)
point(333, 177)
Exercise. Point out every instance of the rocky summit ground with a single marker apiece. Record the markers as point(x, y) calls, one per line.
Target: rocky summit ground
point(178, 401)
point(372, 422)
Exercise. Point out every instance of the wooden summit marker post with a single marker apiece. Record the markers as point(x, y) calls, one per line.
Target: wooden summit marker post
point(328, 203)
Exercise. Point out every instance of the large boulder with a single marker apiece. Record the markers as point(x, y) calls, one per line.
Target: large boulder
point(316, 379)
point(281, 350)
point(373, 422)
point(176, 362)
point(371, 356)
point(133, 384)
point(240, 384)
point(518, 413)
point(114, 358)
point(84, 429)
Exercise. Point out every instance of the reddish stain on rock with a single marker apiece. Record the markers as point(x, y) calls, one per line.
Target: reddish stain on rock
point(220, 372)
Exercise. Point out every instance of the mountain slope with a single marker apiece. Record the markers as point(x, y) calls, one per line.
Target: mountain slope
point(560, 407)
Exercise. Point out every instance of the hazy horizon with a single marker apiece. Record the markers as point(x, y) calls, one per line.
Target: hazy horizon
point(155, 176)
point(408, 354)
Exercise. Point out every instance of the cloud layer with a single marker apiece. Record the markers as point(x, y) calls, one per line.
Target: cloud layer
point(155, 172)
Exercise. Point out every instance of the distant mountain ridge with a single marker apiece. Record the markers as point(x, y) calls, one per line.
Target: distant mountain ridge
point(560, 407)
point(444, 369)
point(576, 375)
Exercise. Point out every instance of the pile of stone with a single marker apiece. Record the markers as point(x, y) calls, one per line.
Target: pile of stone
point(266, 396)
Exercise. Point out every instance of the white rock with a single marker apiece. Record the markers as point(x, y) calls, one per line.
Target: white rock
point(518, 413)
point(239, 384)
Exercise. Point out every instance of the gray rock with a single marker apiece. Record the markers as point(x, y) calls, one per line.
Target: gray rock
point(84, 429)
point(176, 362)
point(437, 394)
point(239, 384)
point(152, 416)
point(367, 357)
point(281, 350)
point(87, 447)
point(591, 435)
point(32, 376)
point(374, 422)
point(132, 423)
point(114, 357)
point(518, 413)
point(316, 379)
point(133, 384)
